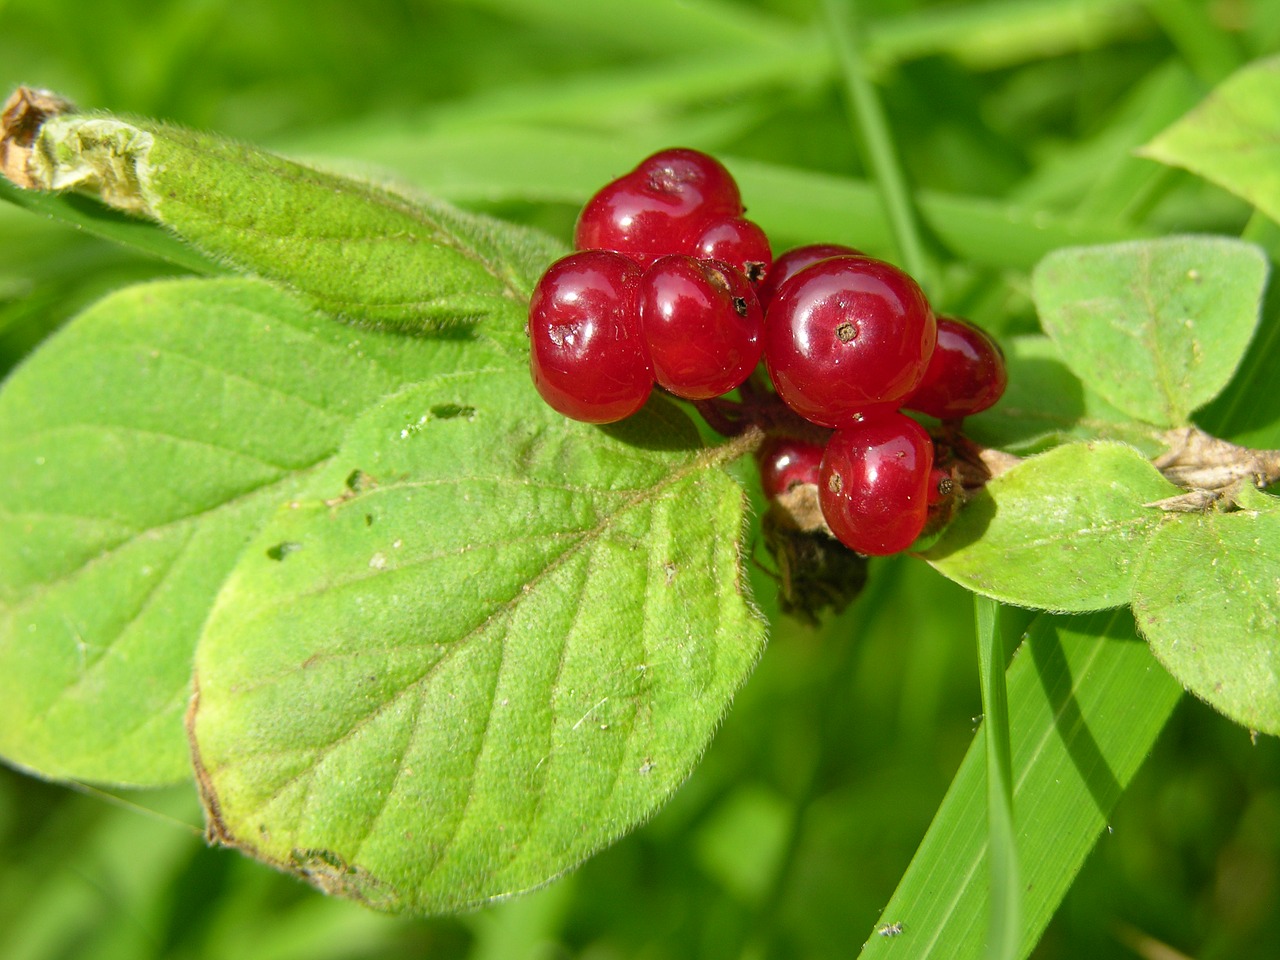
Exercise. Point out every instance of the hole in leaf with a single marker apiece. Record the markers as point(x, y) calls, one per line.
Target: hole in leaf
point(448, 411)
point(283, 549)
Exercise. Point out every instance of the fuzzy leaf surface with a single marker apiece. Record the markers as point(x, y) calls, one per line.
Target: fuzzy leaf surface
point(1061, 531)
point(1233, 137)
point(497, 652)
point(140, 448)
point(1156, 327)
point(357, 250)
point(1207, 598)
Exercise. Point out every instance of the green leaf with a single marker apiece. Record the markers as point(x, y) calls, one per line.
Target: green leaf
point(92, 217)
point(1207, 598)
point(1233, 137)
point(353, 249)
point(505, 648)
point(1061, 531)
point(141, 447)
point(1086, 703)
point(1157, 327)
point(1045, 404)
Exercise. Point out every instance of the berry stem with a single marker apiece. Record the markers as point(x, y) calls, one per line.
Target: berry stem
point(877, 142)
point(723, 416)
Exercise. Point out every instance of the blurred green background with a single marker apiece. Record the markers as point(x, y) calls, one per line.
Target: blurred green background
point(1015, 119)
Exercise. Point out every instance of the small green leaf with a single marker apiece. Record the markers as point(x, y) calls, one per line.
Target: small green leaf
point(1233, 137)
point(141, 448)
point(1061, 531)
point(1156, 327)
point(497, 653)
point(353, 249)
point(1086, 703)
point(1045, 404)
point(1207, 598)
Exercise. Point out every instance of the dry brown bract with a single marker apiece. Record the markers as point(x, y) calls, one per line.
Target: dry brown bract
point(1211, 470)
point(24, 113)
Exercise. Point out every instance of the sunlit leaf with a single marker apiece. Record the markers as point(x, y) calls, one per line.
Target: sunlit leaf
point(1155, 327)
point(1207, 597)
point(498, 651)
point(139, 450)
point(1233, 137)
point(1061, 531)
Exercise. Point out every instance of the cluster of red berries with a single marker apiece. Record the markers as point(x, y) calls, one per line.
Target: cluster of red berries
point(673, 285)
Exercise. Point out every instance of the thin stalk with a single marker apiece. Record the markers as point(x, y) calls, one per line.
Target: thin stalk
point(881, 155)
point(1004, 920)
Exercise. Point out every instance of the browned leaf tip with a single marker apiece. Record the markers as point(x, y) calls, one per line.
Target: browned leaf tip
point(1211, 470)
point(25, 112)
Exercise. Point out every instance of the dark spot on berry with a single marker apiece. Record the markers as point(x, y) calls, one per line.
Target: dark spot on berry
point(754, 271)
point(847, 331)
point(740, 306)
point(946, 486)
point(834, 483)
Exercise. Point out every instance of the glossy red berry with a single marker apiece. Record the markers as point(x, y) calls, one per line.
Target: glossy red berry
point(874, 483)
point(737, 241)
point(793, 261)
point(682, 169)
point(786, 462)
point(702, 324)
point(650, 211)
point(587, 356)
point(845, 336)
point(966, 373)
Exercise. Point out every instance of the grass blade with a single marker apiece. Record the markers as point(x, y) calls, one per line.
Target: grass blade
point(1004, 920)
point(877, 142)
point(1088, 701)
point(504, 163)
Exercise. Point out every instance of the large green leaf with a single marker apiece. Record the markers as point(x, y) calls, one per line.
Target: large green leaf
point(1086, 703)
point(1060, 531)
point(351, 248)
point(1207, 597)
point(1233, 137)
point(139, 450)
point(487, 642)
point(1155, 327)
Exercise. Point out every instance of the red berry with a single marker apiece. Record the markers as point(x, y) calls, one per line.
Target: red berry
point(966, 373)
point(649, 211)
point(702, 323)
point(736, 241)
point(681, 169)
point(786, 462)
point(845, 336)
point(587, 356)
point(793, 261)
point(874, 483)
